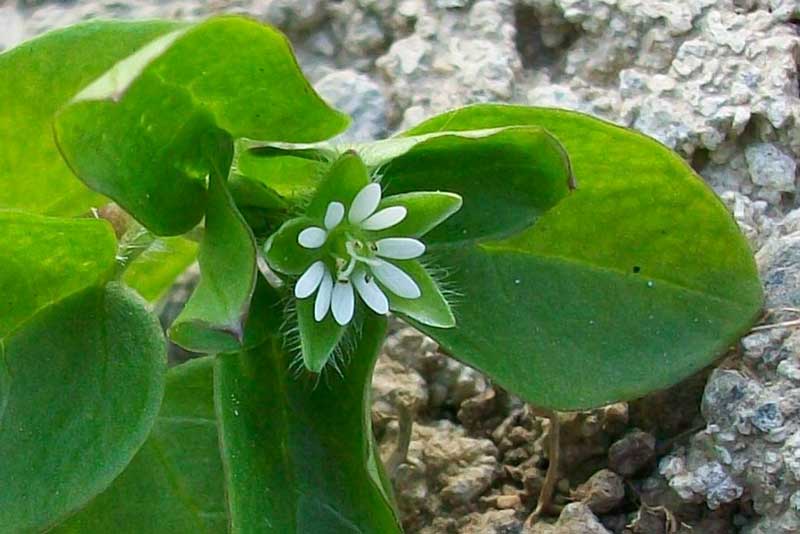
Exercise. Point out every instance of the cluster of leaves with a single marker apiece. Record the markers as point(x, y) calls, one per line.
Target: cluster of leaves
point(568, 298)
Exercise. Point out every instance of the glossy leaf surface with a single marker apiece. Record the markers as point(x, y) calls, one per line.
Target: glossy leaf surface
point(39, 77)
point(83, 381)
point(636, 279)
point(213, 318)
point(298, 453)
point(175, 483)
point(140, 133)
point(43, 260)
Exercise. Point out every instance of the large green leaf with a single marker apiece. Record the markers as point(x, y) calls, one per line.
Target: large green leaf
point(39, 77)
point(635, 280)
point(175, 482)
point(507, 178)
point(44, 259)
point(214, 317)
point(83, 381)
point(139, 133)
point(298, 451)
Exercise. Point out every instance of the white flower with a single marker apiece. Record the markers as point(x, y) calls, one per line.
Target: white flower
point(363, 261)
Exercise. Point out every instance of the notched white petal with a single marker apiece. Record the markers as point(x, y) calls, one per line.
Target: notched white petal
point(309, 282)
point(342, 302)
point(334, 215)
point(365, 203)
point(370, 293)
point(312, 237)
point(396, 280)
point(323, 302)
point(386, 218)
point(400, 248)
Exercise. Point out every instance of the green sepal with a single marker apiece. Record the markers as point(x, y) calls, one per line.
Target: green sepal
point(426, 210)
point(347, 176)
point(284, 254)
point(318, 340)
point(431, 308)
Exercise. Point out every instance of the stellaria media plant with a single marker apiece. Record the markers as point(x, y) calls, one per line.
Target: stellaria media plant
point(128, 150)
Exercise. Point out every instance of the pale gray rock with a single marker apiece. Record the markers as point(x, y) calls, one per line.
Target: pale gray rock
point(751, 216)
point(770, 167)
point(779, 264)
point(575, 518)
point(360, 97)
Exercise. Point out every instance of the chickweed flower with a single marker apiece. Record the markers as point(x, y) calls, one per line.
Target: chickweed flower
point(353, 246)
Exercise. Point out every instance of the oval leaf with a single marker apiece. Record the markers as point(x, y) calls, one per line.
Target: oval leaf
point(83, 383)
point(44, 260)
point(175, 482)
point(637, 279)
point(137, 134)
point(507, 177)
point(39, 77)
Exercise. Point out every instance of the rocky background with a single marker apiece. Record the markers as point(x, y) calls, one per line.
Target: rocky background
point(716, 80)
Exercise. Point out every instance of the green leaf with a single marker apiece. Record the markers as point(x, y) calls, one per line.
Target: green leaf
point(39, 77)
point(506, 178)
point(249, 193)
point(138, 133)
point(634, 281)
point(44, 260)
point(153, 272)
point(298, 454)
point(175, 482)
point(292, 177)
point(84, 380)
point(213, 318)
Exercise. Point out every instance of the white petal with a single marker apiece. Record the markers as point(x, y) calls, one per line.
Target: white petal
point(342, 302)
point(323, 302)
point(312, 237)
point(334, 215)
point(386, 218)
point(365, 203)
point(400, 248)
point(309, 282)
point(396, 280)
point(370, 293)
